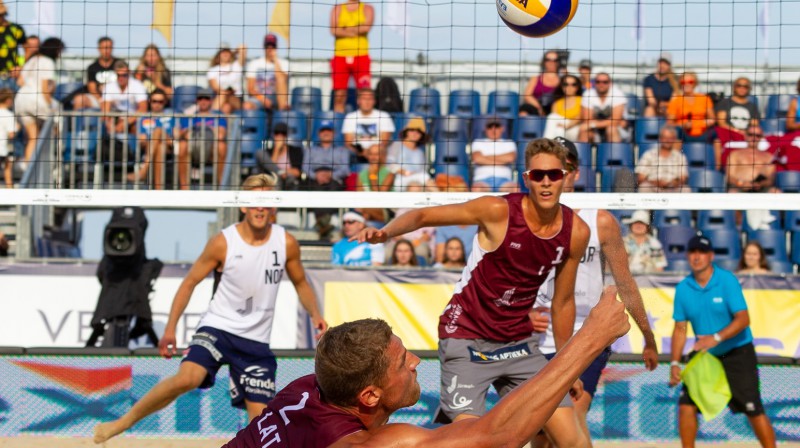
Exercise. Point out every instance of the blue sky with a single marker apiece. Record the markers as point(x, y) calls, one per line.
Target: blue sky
point(694, 31)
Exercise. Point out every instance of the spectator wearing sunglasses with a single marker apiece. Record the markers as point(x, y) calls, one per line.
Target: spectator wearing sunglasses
point(154, 134)
point(603, 113)
point(125, 95)
point(565, 117)
point(538, 95)
point(492, 159)
point(202, 139)
point(353, 253)
point(692, 113)
point(751, 169)
point(735, 115)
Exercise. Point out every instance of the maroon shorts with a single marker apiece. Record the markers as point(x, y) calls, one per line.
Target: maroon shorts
point(357, 66)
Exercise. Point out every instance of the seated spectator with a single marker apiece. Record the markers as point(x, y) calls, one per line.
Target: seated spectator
point(198, 137)
point(8, 130)
point(645, 253)
point(690, 112)
point(403, 255)
point(322, 178)
point(3, 245)
point(663, 169)
point(353, 253)
point(152, 71)
point(793, 113)
point(367, 126)
point(754, 260)
point(284, 160)
point(155, 137)
point(734, 115)
point(659, 87)
point(538, 95)
point(406, 158)
point(466, 234)
point(99, 73)
point(123, 96)
point(268, 79)
point(751, 169)
point(225, 78)
point(603, 113)
point(454, 257)
point(585, 74)
point(376, 176)
point(34, 102)
point(564, 119)
point(492, 160)
point(323, 153)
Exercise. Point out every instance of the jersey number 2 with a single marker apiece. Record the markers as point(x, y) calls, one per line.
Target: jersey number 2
point(269, 430)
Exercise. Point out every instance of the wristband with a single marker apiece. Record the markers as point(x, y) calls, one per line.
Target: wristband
point(675, 364)
point(717, 337)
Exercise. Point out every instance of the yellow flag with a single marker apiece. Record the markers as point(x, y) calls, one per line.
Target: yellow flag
point(162, 18)
point(280, 21)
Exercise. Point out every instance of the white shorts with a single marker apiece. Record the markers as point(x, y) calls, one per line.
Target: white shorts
point(30, 107)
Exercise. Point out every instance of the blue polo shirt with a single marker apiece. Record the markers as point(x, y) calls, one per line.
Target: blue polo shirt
point(711, 309)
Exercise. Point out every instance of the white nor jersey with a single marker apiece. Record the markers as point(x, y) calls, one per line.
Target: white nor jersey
point(244, 300)
point(588, 283)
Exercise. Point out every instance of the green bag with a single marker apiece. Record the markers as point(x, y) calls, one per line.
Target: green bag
point(707, 384)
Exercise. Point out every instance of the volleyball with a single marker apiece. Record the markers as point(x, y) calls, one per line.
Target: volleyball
point(536, 18)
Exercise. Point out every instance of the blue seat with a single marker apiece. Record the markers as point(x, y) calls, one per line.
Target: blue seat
point(479, 125)
point(307, 100)
point(350, 101)
point(528, 128)
point(774, 243)
point(614, 154)
point(781, 267)
point(451, 128)
point(731, 265)
point(775, 223)
point(699, 155)
point(451, 152)
point(254, 124)
point(10, 84)
point(296, 122)
point(503, 103)
point(635, 107)
point(791, 220)
point(584, 155)
point(608, 176)
point(773, 126)
point(678, 265)
point(64, 89)
point(706, 181)
point(464, 103)
point(587, 182)
point(795, 248)
point(716, 219)
point(665, 218)
point(183, 97)
point(336, 118)
point(425, 101)
point(753, 99)
point(674, 239)
point(646, 129)
point(83, 137)
point(788, 181)
point(777, 106)
point(727, 243)
point(622, 216)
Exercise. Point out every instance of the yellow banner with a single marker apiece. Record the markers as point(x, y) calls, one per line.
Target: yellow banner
point(163, 11)
point(280, 21)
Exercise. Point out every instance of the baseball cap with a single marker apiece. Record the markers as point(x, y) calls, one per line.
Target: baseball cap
point(572, 150)
point(639, 216)
point(666, 57)
point(585, 63)
point(354, 216)
point(281, 128)
point(701, 243)
point(323, 168)
point(326, 124)
point(205, 93)
point(494, 121)
point(271, 40)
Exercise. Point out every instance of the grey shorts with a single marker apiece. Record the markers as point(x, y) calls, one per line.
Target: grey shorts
point(470, 366)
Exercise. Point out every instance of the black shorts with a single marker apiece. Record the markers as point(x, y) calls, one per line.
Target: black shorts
point(591, 376)
point(741, 369)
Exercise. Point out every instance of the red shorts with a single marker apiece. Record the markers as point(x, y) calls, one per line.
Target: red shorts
point(343, 66)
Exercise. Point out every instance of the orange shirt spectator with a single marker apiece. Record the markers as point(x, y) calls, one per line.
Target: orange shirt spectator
point(690, 111)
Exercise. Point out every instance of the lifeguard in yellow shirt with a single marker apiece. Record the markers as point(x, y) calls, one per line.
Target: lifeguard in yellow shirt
point(350, 24)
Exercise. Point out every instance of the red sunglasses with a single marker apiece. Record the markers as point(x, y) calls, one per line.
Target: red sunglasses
point(554, 175)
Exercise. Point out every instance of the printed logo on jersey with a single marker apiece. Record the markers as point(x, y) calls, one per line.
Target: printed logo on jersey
point(458, 401)
point(511, 352)
point(717, 300)
point(248, 307)
point(588, 257)
point(516, 246)
point(453, 312)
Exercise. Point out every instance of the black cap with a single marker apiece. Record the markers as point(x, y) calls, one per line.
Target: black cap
point(701, 243)
point(281, 128)
point(323, 168)
point(205, 93)
point(494, 121)
point(572, 150)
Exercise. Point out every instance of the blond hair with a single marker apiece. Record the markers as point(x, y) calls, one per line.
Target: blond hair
point(545, 146)
point(257, 181)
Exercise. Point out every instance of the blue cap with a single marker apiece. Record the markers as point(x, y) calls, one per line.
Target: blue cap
point(326, 124)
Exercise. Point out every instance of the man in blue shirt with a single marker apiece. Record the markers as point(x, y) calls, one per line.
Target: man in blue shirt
point(154, 135)
point(353, 253)
point(712, 300)
point(198, 136)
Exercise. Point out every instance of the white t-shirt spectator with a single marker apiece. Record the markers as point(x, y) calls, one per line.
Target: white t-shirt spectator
point(615, 97)
point(8, 125)
point(125, 101)
point(491, 148)
point(367, 128)
point(263, 72)
point(37, 69)
point(228, 76)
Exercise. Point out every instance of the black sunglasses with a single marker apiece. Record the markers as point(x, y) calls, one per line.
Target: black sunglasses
point(569, 84)
point(554, 175)
point(158, 101)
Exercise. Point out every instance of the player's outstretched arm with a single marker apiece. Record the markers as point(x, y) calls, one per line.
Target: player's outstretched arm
point(294, 268)
point(616, 256)
point(520, 414)
point(213, 256)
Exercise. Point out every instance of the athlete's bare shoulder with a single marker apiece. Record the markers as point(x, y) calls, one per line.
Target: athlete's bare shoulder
point(396, 435)
point(580, 233)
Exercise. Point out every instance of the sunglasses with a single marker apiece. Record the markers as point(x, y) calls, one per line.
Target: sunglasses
point(350, 222)
point(688, 82)
point(494, 125)
point(602, 81)
point(569, 84)
point(744, 86)
point(554, 175)
point(123, 75)
point(207, 98)
point(551, 59)
point(158, 101)
point(759, 135)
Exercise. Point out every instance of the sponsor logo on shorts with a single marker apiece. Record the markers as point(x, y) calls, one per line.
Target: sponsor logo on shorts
point(750, 406)
point(253, 383)
point(514, 351)
point(207, 341)
point(256, 371)
point(458, 401)
point(453, 312)
point(233, 389)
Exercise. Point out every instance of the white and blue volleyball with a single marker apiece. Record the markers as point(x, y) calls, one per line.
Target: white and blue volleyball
point(536, 18)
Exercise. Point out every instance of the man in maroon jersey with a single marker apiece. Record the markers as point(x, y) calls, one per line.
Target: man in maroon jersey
point(485, 333)
point(364, 374)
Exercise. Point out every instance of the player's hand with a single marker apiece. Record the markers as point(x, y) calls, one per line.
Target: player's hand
point(320, 325)
point(607, 321)
point(674, 376)
point(371, 235)
point(704, 343)
point(540, 318)
point(576, 391)
point(167, 345)
point(650, 356)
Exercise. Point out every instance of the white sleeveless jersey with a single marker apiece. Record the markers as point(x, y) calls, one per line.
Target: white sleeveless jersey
point(244, 301)
point(588, 283)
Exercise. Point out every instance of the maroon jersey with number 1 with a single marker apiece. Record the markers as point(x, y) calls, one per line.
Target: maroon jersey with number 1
point(297, 417)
